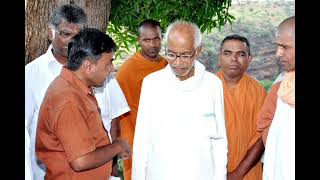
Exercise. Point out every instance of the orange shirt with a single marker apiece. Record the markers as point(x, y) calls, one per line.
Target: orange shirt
point(267, 111)
point(242, 105)
point(130, 77)
point(70, 126)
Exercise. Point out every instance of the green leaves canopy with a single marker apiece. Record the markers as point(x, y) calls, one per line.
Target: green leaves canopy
point(126, 15)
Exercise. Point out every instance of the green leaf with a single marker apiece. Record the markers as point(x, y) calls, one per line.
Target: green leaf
point(127, 14)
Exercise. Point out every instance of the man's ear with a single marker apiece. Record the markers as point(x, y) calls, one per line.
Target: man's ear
point(51, 33)
point(199, 51)
point(250, 58)
point(87, 66)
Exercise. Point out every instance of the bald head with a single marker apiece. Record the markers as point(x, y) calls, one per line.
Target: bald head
point(285, 40)
point(184, 31)
point(288, 26)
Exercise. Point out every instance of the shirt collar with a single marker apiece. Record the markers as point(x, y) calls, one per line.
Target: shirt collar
point(53, 66)
point(75, 81)
point(188, 84)
point(50, 56)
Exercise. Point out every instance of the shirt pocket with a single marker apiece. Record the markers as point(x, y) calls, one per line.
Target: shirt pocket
point(207, 127)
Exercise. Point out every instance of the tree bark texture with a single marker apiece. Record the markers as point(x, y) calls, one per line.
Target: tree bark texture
point(37, 19)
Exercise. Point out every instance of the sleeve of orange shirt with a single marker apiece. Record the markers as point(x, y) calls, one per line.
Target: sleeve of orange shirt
point(72, 131)
point(267, 112)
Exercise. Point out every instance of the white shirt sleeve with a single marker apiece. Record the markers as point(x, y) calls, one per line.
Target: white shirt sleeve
point(30, 103)
point(220, 143)
point(118, 101)
point(111, 101)
point(142, 136)
point(28, 170)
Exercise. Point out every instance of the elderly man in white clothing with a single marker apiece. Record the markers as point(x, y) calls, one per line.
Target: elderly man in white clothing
point(182, 134)
point(66, 22)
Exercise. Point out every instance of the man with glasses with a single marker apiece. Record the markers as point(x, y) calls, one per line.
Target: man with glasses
point(243, 99)
point(180, 131)
point(131, 74)
point(66, 21)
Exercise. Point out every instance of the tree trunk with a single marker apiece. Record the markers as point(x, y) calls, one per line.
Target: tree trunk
point(38, 16)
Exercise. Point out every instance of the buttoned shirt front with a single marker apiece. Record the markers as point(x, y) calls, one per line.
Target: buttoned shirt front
point(69, 127)
point(38, 75)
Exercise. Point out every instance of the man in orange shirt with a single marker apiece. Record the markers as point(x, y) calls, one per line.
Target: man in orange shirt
point(131, 74)
point(243, 98)
point(71, 140)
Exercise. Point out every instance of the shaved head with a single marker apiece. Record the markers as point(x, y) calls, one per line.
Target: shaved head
point(288, 26)
point(285, 40)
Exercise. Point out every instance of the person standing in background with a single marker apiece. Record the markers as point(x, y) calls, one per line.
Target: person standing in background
point(131, 74)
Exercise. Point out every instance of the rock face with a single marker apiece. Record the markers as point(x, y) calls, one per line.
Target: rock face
point(264, 64)
point(257, 21)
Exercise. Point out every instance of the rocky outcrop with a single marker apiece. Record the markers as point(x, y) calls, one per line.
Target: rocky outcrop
point(257, 21)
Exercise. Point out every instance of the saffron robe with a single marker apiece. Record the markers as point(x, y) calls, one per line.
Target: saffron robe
point(242, 105)
point(129, 77)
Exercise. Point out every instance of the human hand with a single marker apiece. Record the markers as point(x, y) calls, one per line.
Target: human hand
point(234, 175)
point(126, 150)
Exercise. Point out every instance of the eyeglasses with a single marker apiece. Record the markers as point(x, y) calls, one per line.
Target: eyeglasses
point(184, 57)
point(65, 35)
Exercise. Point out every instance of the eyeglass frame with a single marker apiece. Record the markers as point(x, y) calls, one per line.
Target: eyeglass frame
point(63, 34)
point(190, 57)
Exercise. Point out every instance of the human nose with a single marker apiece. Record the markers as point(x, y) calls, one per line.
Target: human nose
point(234, 57)
point(177, 61)
point(279, 52)
point(153, 42)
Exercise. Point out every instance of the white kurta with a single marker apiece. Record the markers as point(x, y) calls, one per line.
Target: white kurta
point(180, 130)
point(38, 75)
point(279, 158)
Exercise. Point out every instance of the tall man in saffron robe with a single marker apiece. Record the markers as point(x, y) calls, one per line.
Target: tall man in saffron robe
point(131, 74)
point(243, 98)
point(277, 117)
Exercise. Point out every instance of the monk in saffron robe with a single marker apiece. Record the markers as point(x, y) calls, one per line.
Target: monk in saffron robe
point(131, 74)
point(243, 98)
point(277, 116)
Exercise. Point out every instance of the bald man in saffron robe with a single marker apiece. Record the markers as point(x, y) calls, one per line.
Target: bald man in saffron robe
point(277, 116)
point(243, 98)
point(131, 74)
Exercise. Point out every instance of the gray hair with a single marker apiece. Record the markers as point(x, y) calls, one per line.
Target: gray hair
point(188, 25)
point(68, 13)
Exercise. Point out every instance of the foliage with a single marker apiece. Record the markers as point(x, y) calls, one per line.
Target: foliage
point(126, 15)
point(120, 168)
point(266, 84)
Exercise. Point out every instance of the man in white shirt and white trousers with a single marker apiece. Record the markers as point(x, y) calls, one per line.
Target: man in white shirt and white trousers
point(65, 22)
point(181, 134)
